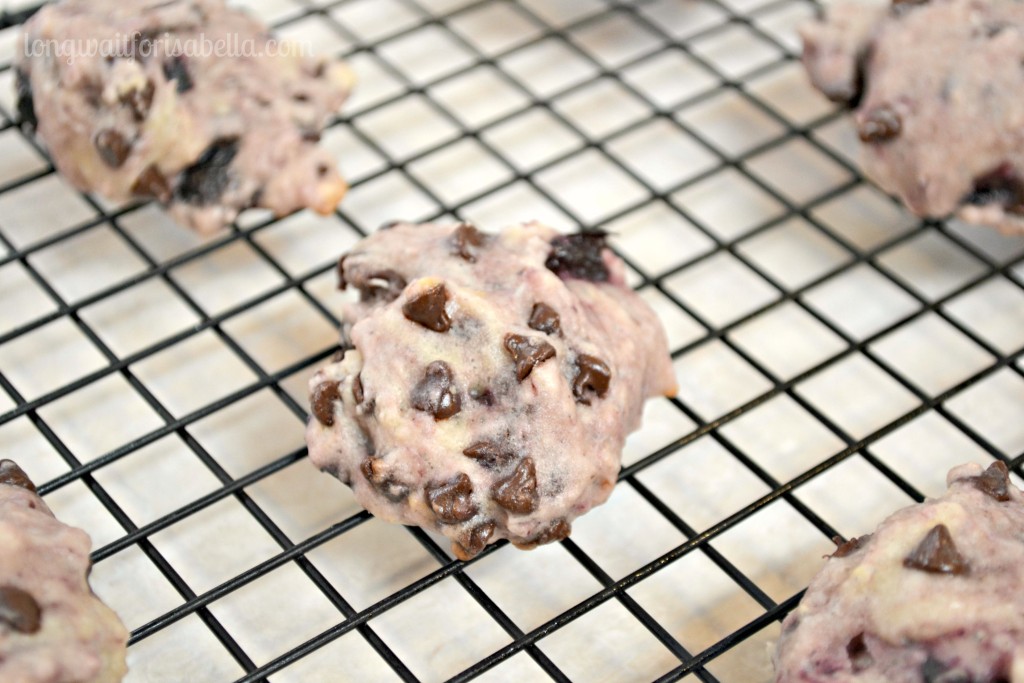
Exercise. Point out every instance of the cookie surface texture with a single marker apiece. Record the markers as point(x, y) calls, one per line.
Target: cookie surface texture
point(935, 595)
point(491, 382)
point(53, 629)
point(935, 90)
point(189, 102)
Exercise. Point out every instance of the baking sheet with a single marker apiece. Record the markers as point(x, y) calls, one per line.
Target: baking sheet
point(835, 355)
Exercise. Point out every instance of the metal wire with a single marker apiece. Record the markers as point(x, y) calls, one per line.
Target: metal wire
point(699, 540)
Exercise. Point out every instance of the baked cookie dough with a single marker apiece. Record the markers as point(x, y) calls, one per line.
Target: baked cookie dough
point(490, 383)
point(53, 629)
point(935, 595)
point(935, 87)
point(190, 102)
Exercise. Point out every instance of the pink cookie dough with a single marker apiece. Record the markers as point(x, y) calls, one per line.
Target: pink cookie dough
point(53, 629)
point(935, 595)
point(935, 88)
point(491, 380)
point(191, 102)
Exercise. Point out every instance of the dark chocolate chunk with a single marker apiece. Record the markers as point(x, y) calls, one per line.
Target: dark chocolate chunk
point(937, 554)
point(139, 100)
point(857, 651)
point(849, 547)
point(490, 454)
point(113, 147)
point(483, 396)
point(466, 240)
point(389, 225)
point(26, 103)
point(152, 183)
point(176, 69)
point(19, 610)
point(879, 125)
point(905, 4)
point(579, 256)
point(382, 287)
point(517, 493)
point(592, 376)
point(12, 475)
point(357, 389)
point(384, 483)
point(1003, 186)
point(452, 501)
point(427, 309)
point(476, 539)
point(994, 481)
point(544, 319)
point(325, 395)
point(934, 671)
point(558, 530)
point(436, 393)
point(527, 353)
point(204, 182)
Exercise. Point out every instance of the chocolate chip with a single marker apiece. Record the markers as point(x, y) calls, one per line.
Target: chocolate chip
point(384, 483)
point(113, 147)
point(357, 389)
point(1003, 186)
point(26, 103)
point(176, 69)
point(342, 282)
point(466, 240)
point(879, 125)
point(903, 4)
point(19, 610)
point(483, 396)
point(452, 501)
point(544, 319)
point(592, 376)
point(325, 395)
point(12, 475)
point(427, 309)
point(579, 256)
point(382, 287)
point(152, 183)
point(527, 353)
point(517, 493)
point(436, 393)
point(857, 651)
point(558, 530)
point(388, 225)
point(994, 481)
point(139, 100)
point(475, 540)
point(849, 547)
point(490, 454)
point(204, 182)
point(937, 554)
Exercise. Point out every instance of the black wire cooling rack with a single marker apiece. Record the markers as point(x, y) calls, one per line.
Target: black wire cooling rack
point(836, 356)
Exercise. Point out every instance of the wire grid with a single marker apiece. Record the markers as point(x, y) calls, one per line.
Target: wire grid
point(835, 355)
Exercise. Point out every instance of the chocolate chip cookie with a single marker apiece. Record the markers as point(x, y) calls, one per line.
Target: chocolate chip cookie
point(935, 87)
point(933, 596)
point(53, 629)
point(189, 102)
point(490, 382)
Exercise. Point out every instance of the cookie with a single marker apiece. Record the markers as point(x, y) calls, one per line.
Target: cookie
point(935, 595)
point(189, 102)
point(53, 629)
point(935, 90)
point(490, 383)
